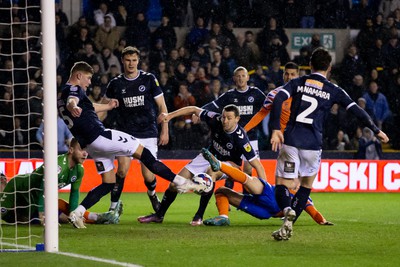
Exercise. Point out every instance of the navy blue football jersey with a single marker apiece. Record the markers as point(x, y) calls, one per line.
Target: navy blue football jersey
point(137, 111)
point(227, 146)
point(313, 95)
point(85, 128)
point(249, 103)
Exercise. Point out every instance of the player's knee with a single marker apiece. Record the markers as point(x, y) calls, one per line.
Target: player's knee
point(221, 191)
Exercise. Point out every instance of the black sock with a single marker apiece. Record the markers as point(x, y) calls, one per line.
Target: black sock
point(299, 200)
point(168, 198)
point(282, 196)
point(155, 166)
point(229, 183)
point(204, 199)
point(118, 187)
point(96, 194)
point(151, 186)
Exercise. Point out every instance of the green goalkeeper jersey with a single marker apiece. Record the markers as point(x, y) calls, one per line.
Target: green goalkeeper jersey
point(30, 186)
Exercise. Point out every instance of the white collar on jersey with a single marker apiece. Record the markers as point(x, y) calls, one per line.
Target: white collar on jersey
point(242, 91)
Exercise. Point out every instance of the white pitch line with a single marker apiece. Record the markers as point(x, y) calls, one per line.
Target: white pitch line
point(114, 262)
point(91, 258)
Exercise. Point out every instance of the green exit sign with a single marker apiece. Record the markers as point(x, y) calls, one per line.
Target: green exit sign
point(299, 40)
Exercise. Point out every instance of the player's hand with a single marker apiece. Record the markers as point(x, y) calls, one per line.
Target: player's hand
point(195, 119)
point(163, 118)
point(383, 137)
point(164, 138)
point(76, 111)
point(113, 103)
point(276, 140)
point(327, 223)
point(41, 217)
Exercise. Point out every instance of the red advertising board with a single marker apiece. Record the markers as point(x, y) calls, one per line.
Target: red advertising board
point(333, 176)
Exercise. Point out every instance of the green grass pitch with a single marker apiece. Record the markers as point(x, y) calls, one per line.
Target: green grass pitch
point(366, 233)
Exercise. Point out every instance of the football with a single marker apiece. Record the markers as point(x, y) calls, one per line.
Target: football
point(203, 178)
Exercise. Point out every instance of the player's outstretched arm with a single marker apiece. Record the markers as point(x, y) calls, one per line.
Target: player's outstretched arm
point(383, 137)
point(180, 112)
point(113, 103)
point(257, 118)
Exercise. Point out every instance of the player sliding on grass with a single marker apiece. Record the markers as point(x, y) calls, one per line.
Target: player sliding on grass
point(21, 199)
point(259, 202)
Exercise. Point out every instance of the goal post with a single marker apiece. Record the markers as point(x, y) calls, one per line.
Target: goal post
point(50, 125)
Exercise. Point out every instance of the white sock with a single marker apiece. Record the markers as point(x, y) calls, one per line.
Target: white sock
point(92, 216)
point(113, 205)
point(80, 210)
point(179, 180)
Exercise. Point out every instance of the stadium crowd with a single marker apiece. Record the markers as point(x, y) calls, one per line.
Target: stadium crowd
point(201, 70)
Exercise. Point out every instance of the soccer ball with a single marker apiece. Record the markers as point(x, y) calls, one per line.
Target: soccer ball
point(203, 178)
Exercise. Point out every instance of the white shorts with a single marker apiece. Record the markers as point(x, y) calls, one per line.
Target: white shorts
point(294, 162)
point(254, 145)
point(111, 144)
point(150, 144)
point(200, 165)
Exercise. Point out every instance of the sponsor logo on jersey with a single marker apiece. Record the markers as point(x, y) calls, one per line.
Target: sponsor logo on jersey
point(288, 167)
point(73, 179)
point(314, 83)
point(247, 147)
point(142, 88)
point(61, 185)
point(220, 149)
point(251, 99)
point(246, 110)
point(134, 101)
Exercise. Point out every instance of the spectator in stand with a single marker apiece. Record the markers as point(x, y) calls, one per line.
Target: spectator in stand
point(157, 54)
point(228, 63)
point(216, 32)
point(96, 73)
point(161, 68)
point(64, 136)
point(201, 90)
point(114, 72)
point(374, 76)
point(106, 59)
point(217, 59)
point(390, 52)
point(180, 72)
point(211, 47)
point(357, 89)
point(333, 14)
point(183, 99)
point(396, 15)
point(194, 65)
point(202, 56)
point(168, 90)
point(122, 17)
point(359, 13)
point(100, 15)
point(387, 7)
point(356, 138)
point(138, 34)
point(249, 39)
point(303, 59)
point(215, 75)
point(79, 41)
point(341, 142)
point(107, 35)
point(166, 33)
point(379, 27)
point(291, 14)
point(183, 56)
point(377, 105)
point(197, 35)
point(227, 30)
point(173, 61)
point(365, 39)
point(266, 34)
point(369, 146)
point(275, 73)
point(308, 10)
point(393, 93)
point(259, 79)
point(121, 45)
point(376, 58)
point(96, 96)
point(62, 16)
point(190, 81)
point(276, 49)
point(216, 89)
point(88, 55)
point(352, 65)
point(243, 54)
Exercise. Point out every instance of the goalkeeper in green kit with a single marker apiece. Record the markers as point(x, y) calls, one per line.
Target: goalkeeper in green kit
point(22, 198)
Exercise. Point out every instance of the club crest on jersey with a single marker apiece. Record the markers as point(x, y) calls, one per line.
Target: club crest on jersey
point(247, 147)
point(288, 167)
point(73, 179)
point(3, 210)
point(229, 145)
point(251, 99)
point(142, 88)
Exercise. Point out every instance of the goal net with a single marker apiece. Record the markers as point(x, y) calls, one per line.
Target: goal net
point(22, 78)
